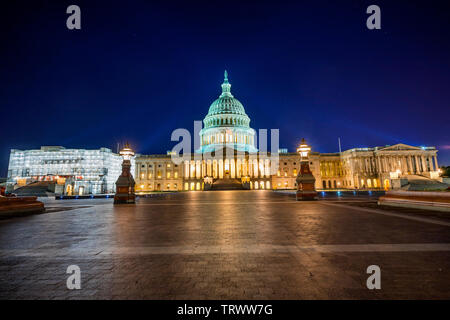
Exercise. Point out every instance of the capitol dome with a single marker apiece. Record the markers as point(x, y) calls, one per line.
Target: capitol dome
point(227, 124)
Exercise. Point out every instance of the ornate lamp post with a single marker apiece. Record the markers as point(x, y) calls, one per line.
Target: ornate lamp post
point(125, 183)
point(305, 180)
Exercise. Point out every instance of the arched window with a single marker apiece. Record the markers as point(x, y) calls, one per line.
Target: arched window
point(329, 184)
point(324, 184)
point(335, 185)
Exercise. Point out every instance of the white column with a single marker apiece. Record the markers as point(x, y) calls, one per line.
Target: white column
point(430, 161)
point(238, 168)
point(186, 169)
point(233, 168)
point(424, 164)
point(410, 167)
point(208, 168)
point(255, 168)
point(221, 168)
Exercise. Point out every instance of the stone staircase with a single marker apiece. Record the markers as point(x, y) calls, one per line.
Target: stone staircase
point(37, 189)
point(227, 184)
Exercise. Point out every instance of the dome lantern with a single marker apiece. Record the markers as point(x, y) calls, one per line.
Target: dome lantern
point(226, 86)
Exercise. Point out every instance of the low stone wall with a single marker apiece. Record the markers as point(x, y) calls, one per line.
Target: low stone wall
point(18, 206)
point(417, 199)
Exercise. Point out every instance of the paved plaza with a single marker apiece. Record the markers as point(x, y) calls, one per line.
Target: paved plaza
point(225, 245)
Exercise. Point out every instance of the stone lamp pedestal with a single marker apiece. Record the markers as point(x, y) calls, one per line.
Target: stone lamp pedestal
point(125, 183)
point(306, 189)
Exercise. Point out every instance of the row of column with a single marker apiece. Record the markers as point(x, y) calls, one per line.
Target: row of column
point(407, 163)
point(157, 172)
point(234, 168)
point(331, 169)
point(227, 138)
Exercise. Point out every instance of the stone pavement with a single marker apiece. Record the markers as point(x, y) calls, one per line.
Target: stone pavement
point(224, 245)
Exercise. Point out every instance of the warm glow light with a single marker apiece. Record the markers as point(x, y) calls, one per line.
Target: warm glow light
point(304, 149)
point(127, 153)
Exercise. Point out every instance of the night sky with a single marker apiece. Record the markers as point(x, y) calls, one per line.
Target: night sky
point(137, 70)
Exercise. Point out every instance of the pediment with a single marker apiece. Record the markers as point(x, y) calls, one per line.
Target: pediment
point(399, 146)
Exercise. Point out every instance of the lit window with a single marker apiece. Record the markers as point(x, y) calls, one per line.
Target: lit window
point(168, 174)
point(176, 174)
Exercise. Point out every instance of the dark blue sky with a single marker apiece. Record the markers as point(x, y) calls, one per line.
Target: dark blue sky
point(140, 69)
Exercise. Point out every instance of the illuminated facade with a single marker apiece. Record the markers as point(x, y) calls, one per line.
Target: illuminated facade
point(226, 159)
point(360, 168)
point(80, 171)
point(228, 156)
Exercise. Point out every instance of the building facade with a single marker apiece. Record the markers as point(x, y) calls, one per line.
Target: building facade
point(80, 171)
point(228, 155)
point(226, 159)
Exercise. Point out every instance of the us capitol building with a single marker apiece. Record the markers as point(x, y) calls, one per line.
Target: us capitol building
point(227, 159)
